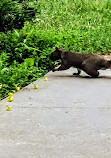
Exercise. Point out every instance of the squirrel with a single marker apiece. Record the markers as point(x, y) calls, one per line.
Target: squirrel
point(88, 62)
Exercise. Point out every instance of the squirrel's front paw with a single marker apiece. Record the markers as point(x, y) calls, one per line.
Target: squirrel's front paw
point(55, 69)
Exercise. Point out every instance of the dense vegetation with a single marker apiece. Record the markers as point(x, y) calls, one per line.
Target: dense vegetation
point(30, 30)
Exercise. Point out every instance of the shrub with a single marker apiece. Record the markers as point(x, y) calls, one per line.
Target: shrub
point(13, 13)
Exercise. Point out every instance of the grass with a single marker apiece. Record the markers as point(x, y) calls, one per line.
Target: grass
point(87, 23)
point(80, 25)
point(74, 14)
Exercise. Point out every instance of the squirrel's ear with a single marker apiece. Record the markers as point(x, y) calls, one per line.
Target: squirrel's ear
point(56, 48)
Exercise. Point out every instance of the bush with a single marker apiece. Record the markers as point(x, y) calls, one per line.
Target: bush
point(13, 13)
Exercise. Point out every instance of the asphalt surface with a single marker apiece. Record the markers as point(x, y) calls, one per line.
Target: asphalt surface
point(67, 117)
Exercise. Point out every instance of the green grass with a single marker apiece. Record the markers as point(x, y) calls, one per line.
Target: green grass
point(79, 25)
point(74, 13)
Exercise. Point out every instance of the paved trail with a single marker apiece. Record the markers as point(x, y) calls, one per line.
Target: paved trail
point(67, 117)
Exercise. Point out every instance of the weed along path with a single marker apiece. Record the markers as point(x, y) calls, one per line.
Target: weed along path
point(63, 117)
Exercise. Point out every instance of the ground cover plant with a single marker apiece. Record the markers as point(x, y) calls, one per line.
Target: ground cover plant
point(79, 25)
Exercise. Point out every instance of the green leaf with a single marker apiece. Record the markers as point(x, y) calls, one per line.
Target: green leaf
point(29, 62)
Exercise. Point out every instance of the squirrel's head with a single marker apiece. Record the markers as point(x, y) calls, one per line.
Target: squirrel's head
point(56, 55)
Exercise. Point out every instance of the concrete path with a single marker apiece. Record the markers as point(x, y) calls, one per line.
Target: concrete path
point(67, 117)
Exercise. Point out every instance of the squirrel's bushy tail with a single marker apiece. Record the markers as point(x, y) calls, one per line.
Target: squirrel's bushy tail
point(109, 64)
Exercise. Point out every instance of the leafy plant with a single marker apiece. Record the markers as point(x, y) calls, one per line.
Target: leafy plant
point(13, 13)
